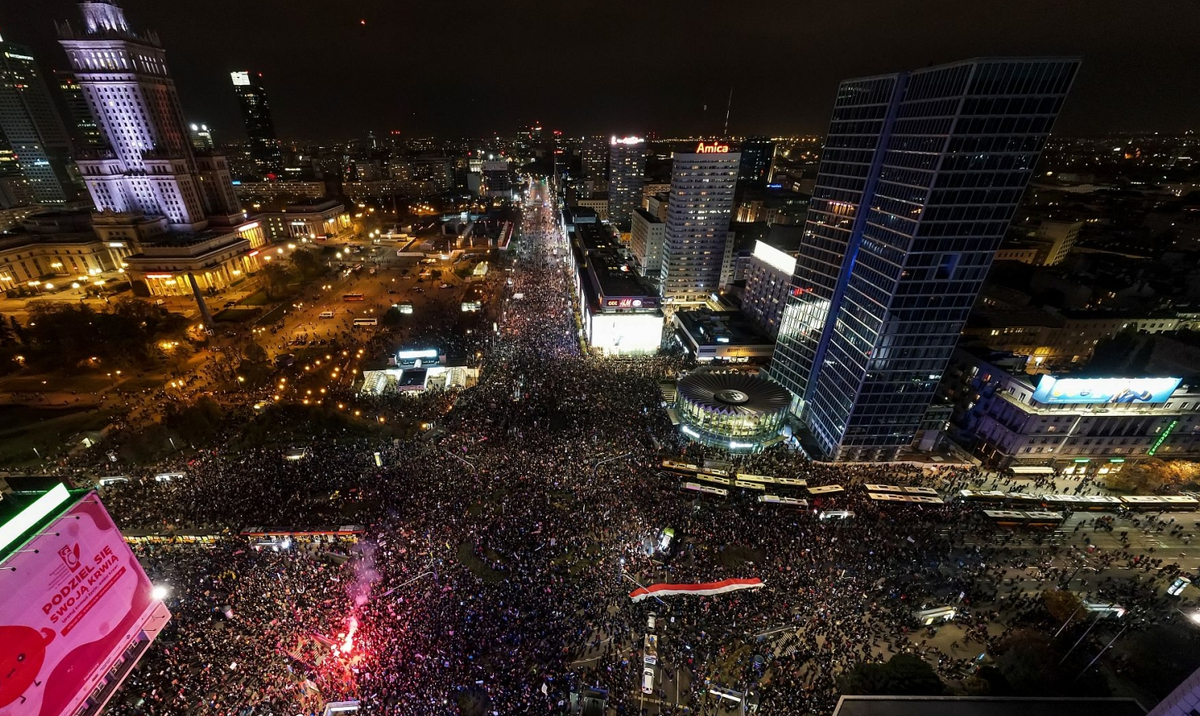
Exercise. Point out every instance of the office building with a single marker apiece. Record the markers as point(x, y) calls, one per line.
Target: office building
point(497, 180)
point(1060, 237)
point(698, 216)
point(14, 187)
point(1049, 245)
point(626, 171)
point(260, 127)
point(32, 126)
point(86, 133)
point(201, 137)
point(647, 234)
point(594, 160)
point(768, 283)
point(757, 155)
point(919, 179)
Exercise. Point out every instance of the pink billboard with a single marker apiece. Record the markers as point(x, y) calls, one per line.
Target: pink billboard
point(71, 602)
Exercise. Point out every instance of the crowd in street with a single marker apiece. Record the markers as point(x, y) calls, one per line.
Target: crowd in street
point(493, 570)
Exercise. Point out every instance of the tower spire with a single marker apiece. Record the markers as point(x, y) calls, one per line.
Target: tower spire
point(103, 16)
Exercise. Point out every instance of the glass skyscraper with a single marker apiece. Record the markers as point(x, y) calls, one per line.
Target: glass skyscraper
point(260, 127)
point(920, 175)
point(32, 126)
point(626, 170)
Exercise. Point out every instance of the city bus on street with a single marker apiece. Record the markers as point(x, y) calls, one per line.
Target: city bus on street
point(352, 297)
point(366, 321)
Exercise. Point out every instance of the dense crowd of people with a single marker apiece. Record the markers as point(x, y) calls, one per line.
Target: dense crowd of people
point(493, 569)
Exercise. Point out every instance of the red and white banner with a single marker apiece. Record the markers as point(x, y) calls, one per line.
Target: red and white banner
point(700, 590)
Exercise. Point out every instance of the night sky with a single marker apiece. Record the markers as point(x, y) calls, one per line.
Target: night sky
point(597, 66)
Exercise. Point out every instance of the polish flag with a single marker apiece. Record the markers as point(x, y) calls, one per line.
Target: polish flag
point(701, 590)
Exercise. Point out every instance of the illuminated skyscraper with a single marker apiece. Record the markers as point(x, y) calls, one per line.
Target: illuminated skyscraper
point(201, 137)
point(757, 155)
point(626, 171)
point(919, 178)
point(34, 130)
point(256, 114)
point(148, 166)
point(698, 216)
point(87, 132)
point(594, 158)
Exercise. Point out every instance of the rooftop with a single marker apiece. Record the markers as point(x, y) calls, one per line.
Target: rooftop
point(647, 216)
point(614, 276)
point(318, 204)
point(708, 327)
point(593, 237)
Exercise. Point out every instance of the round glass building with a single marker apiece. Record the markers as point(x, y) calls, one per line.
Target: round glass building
point(734, 411)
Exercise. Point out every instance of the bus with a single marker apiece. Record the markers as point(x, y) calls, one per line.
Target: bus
point(1018, 518)
point(352, 297)
point(680, 468)
point(706, 489)
point(366, 321)
point(1178, 503)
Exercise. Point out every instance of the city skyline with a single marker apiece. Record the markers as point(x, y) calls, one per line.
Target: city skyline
point(1120, 89)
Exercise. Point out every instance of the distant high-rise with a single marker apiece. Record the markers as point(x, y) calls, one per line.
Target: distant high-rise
point(147, 166)
point(698, 215)
point(14, 187)
point(87, 133)
point(594, 158)
point(256, 114)
point(919, 178)
point(757, 155)
point(626, 172)
point(34, 130)
point(201, 137)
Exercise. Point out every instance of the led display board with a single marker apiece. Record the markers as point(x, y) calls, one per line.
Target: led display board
point(72, 600)
point(1119, 391)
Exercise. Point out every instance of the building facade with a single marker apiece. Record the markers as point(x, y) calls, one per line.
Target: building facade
point(919, 179)
point(647, 233)
point(497, 181)
point(626, 173)
point(260, 126)
point(619, 311)
point(201, 137)
point(758, 153)
point(698, 216)
point(174, 208)
point(768, 283)
point(148, 166)
point(30, 123)
point(1009, 418)
point(1060, 237)
point(313, 220)
point(87, 132)
point(594, 160)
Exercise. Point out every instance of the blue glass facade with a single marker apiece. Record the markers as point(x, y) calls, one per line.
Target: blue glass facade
point(919, 179)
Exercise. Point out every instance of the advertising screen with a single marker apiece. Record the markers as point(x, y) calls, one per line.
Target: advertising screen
point(626, 333)
point(1128, 391)
point(71, 601)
